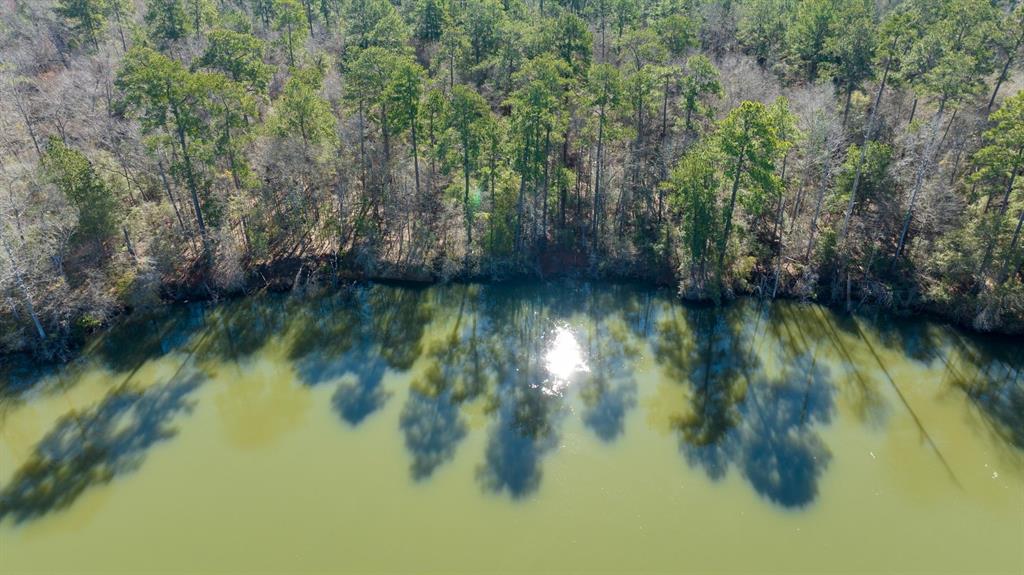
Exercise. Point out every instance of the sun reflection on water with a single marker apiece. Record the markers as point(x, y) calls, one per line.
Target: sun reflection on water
point(563, 359)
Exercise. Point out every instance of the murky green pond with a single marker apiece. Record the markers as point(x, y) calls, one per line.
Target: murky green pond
point(557, 428)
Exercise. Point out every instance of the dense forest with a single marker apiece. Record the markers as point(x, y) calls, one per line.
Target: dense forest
point(858, 152)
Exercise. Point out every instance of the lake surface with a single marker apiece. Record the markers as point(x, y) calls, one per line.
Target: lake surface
point(555, 428)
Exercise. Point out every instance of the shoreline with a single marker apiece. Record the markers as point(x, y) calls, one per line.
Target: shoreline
point(320, 272)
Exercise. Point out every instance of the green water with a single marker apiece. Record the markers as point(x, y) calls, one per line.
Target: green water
point(556, 428)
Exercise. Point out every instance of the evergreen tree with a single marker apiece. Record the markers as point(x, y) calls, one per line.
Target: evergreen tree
point(75, 176)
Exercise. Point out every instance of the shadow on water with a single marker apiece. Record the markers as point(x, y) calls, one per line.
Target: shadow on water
point(150, 336)
point(241, 328)
point(608, 389)
point(453, 375)
point(95, 447)
point(21, 373)
point(142, 337)
point(756, 381)
point(783, 457)
point(356, 337)
point(523, 433)
point(607, 405)
point(492, 347)
point(432, 428)
point(992, 377)
point(739, 419)
point(529, 403)
point(527, 409)
point(856, 374)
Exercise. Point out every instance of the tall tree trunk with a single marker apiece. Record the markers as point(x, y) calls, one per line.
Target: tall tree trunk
point(232, 162)
point(779, 228)
point(544, 186)
point(289, 42)
point(170, 197)
point(949, 125)
point(1005, 72)
point(190, 178)
point(597, 183)
point(724, 244)
point(415, 158)
point(563, 189)
point(817, 208)
point(1010, 254)
point(846, 106)
point(20, 282)
point(864, 148)
point(128, 244)
point(465, 197)
point(664, 112)
point(120, 25)
point(922, 171)
point(451, 70)
point(1004, 205)
point(22, 106)
point(490, 180)
point(520, 202)
point(362, 152)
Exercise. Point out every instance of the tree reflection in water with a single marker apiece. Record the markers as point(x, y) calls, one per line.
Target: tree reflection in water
point(432, 428)
point(526, 411)
point(783, 456)
point(754, 380)
point(992, 377)
point(92, 448)
point(359, 334)
point(608, 388)
point(148, 336)
point(737, 418)
point(454, 374)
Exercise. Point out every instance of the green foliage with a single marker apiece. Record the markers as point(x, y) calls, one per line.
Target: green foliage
point(374, 23)
point(85, 19)
point(290, 21)
point(605, 84)
point(75, 176)
point(1001, 157)
point(700, 81)
point(954, 53)
point(749, 143)
point(480, 21)
point(874, 182)
point(573, 42)
point(230, 108)
point(678, 32)
point(387, 84)
point(172, 105)
point(762, 25)
point(537, 108)
point(467, 124)
point(808, 34)
point(172, 20)
point(429, 21)
point(851, 50)
point(404, 90)
point(239, 56)
point(561, 129)
point(302, 111)
point(998, 167)
point(694, 184)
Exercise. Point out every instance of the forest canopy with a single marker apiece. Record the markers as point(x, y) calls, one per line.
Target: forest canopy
point(849, 151)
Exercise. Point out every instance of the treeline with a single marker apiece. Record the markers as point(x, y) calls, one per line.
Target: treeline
point(860, 152)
